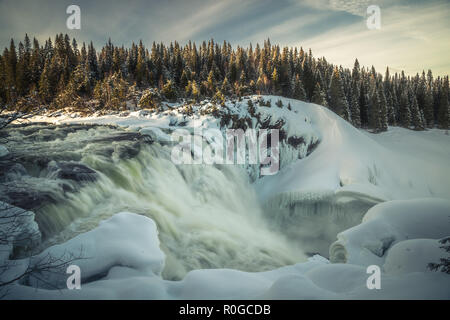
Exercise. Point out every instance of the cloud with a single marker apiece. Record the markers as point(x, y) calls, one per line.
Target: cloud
point(354, 7)
point(414, 34)
point(411, 38)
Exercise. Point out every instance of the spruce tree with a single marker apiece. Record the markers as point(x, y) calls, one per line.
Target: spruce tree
point(404, 110)
point(416, 116)
point(308, 75)
point(390, 109)
point(428, 107)
point(374, 107)
point(354, 105)
point(364, 104)
point(276, 82)
point(45, 86)
point(383, 111)
point(338, 101)
point(299, 91)
point(444, 105)
point(358, 95)
point(319, 96)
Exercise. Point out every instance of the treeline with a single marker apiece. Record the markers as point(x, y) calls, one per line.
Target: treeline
point(62, 73)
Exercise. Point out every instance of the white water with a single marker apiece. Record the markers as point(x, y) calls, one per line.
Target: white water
point(207, 216)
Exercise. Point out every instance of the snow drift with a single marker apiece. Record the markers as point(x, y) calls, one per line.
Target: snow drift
point(122, 260)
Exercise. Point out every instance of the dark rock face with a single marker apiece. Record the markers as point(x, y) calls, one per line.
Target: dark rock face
point(72, 171)
point(296, 141)
point(26, 194)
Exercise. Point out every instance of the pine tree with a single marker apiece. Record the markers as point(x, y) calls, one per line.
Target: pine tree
point(354, 105)
point(383, 111)
point(444, 263)
point(226, 88)
point(375, 106)
point(319, 96)
point(184, 79)
point(2, 83)
point(428, 107)
point(92, 63)
point(276, 82)
point(404, 110)
point(169, 91)
point(444, 106)
point(308, 75)
point(364, 104)
point(10, 61)
point(338, 101)
point(390, 109)
point(358, 95)
point(298, 89)
point(36, 64)
point(211, 83)
point(416, 117)
point(45, 86)
point(79, 80)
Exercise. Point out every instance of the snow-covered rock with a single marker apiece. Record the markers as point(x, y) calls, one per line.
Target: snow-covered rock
point(126, 243)
point(413, 256)
point(389, 223)
point(17, 229)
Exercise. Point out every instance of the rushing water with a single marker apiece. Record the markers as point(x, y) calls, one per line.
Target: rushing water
point(207, 216)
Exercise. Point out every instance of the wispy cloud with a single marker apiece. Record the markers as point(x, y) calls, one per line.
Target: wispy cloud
point(414, 34)
point(412, 38)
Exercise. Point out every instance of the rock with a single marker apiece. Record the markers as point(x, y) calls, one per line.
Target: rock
point(25, 195)
point(12, 171)
point(3, 151)
point(72, 171)
point(144, 113)
point(19, 227)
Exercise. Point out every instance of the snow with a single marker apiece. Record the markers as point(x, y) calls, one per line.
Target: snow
point(398, 164)
point(119, 246)
point(125, 262)
point(413, 256)
point(403, 174)
point(387, 224)
point(17, 229)
point(155, 133)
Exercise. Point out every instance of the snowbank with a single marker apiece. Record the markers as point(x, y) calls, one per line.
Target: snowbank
point(125, 242)
point(413, 256)
point(387, 224)
point(122, 260)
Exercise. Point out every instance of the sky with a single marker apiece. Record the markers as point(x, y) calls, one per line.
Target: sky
point(413, 36)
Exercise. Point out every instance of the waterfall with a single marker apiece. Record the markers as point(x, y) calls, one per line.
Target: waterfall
point(208, 216)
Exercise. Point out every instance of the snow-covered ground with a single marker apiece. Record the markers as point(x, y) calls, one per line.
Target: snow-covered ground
point(126, 263)
point(403, 175)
